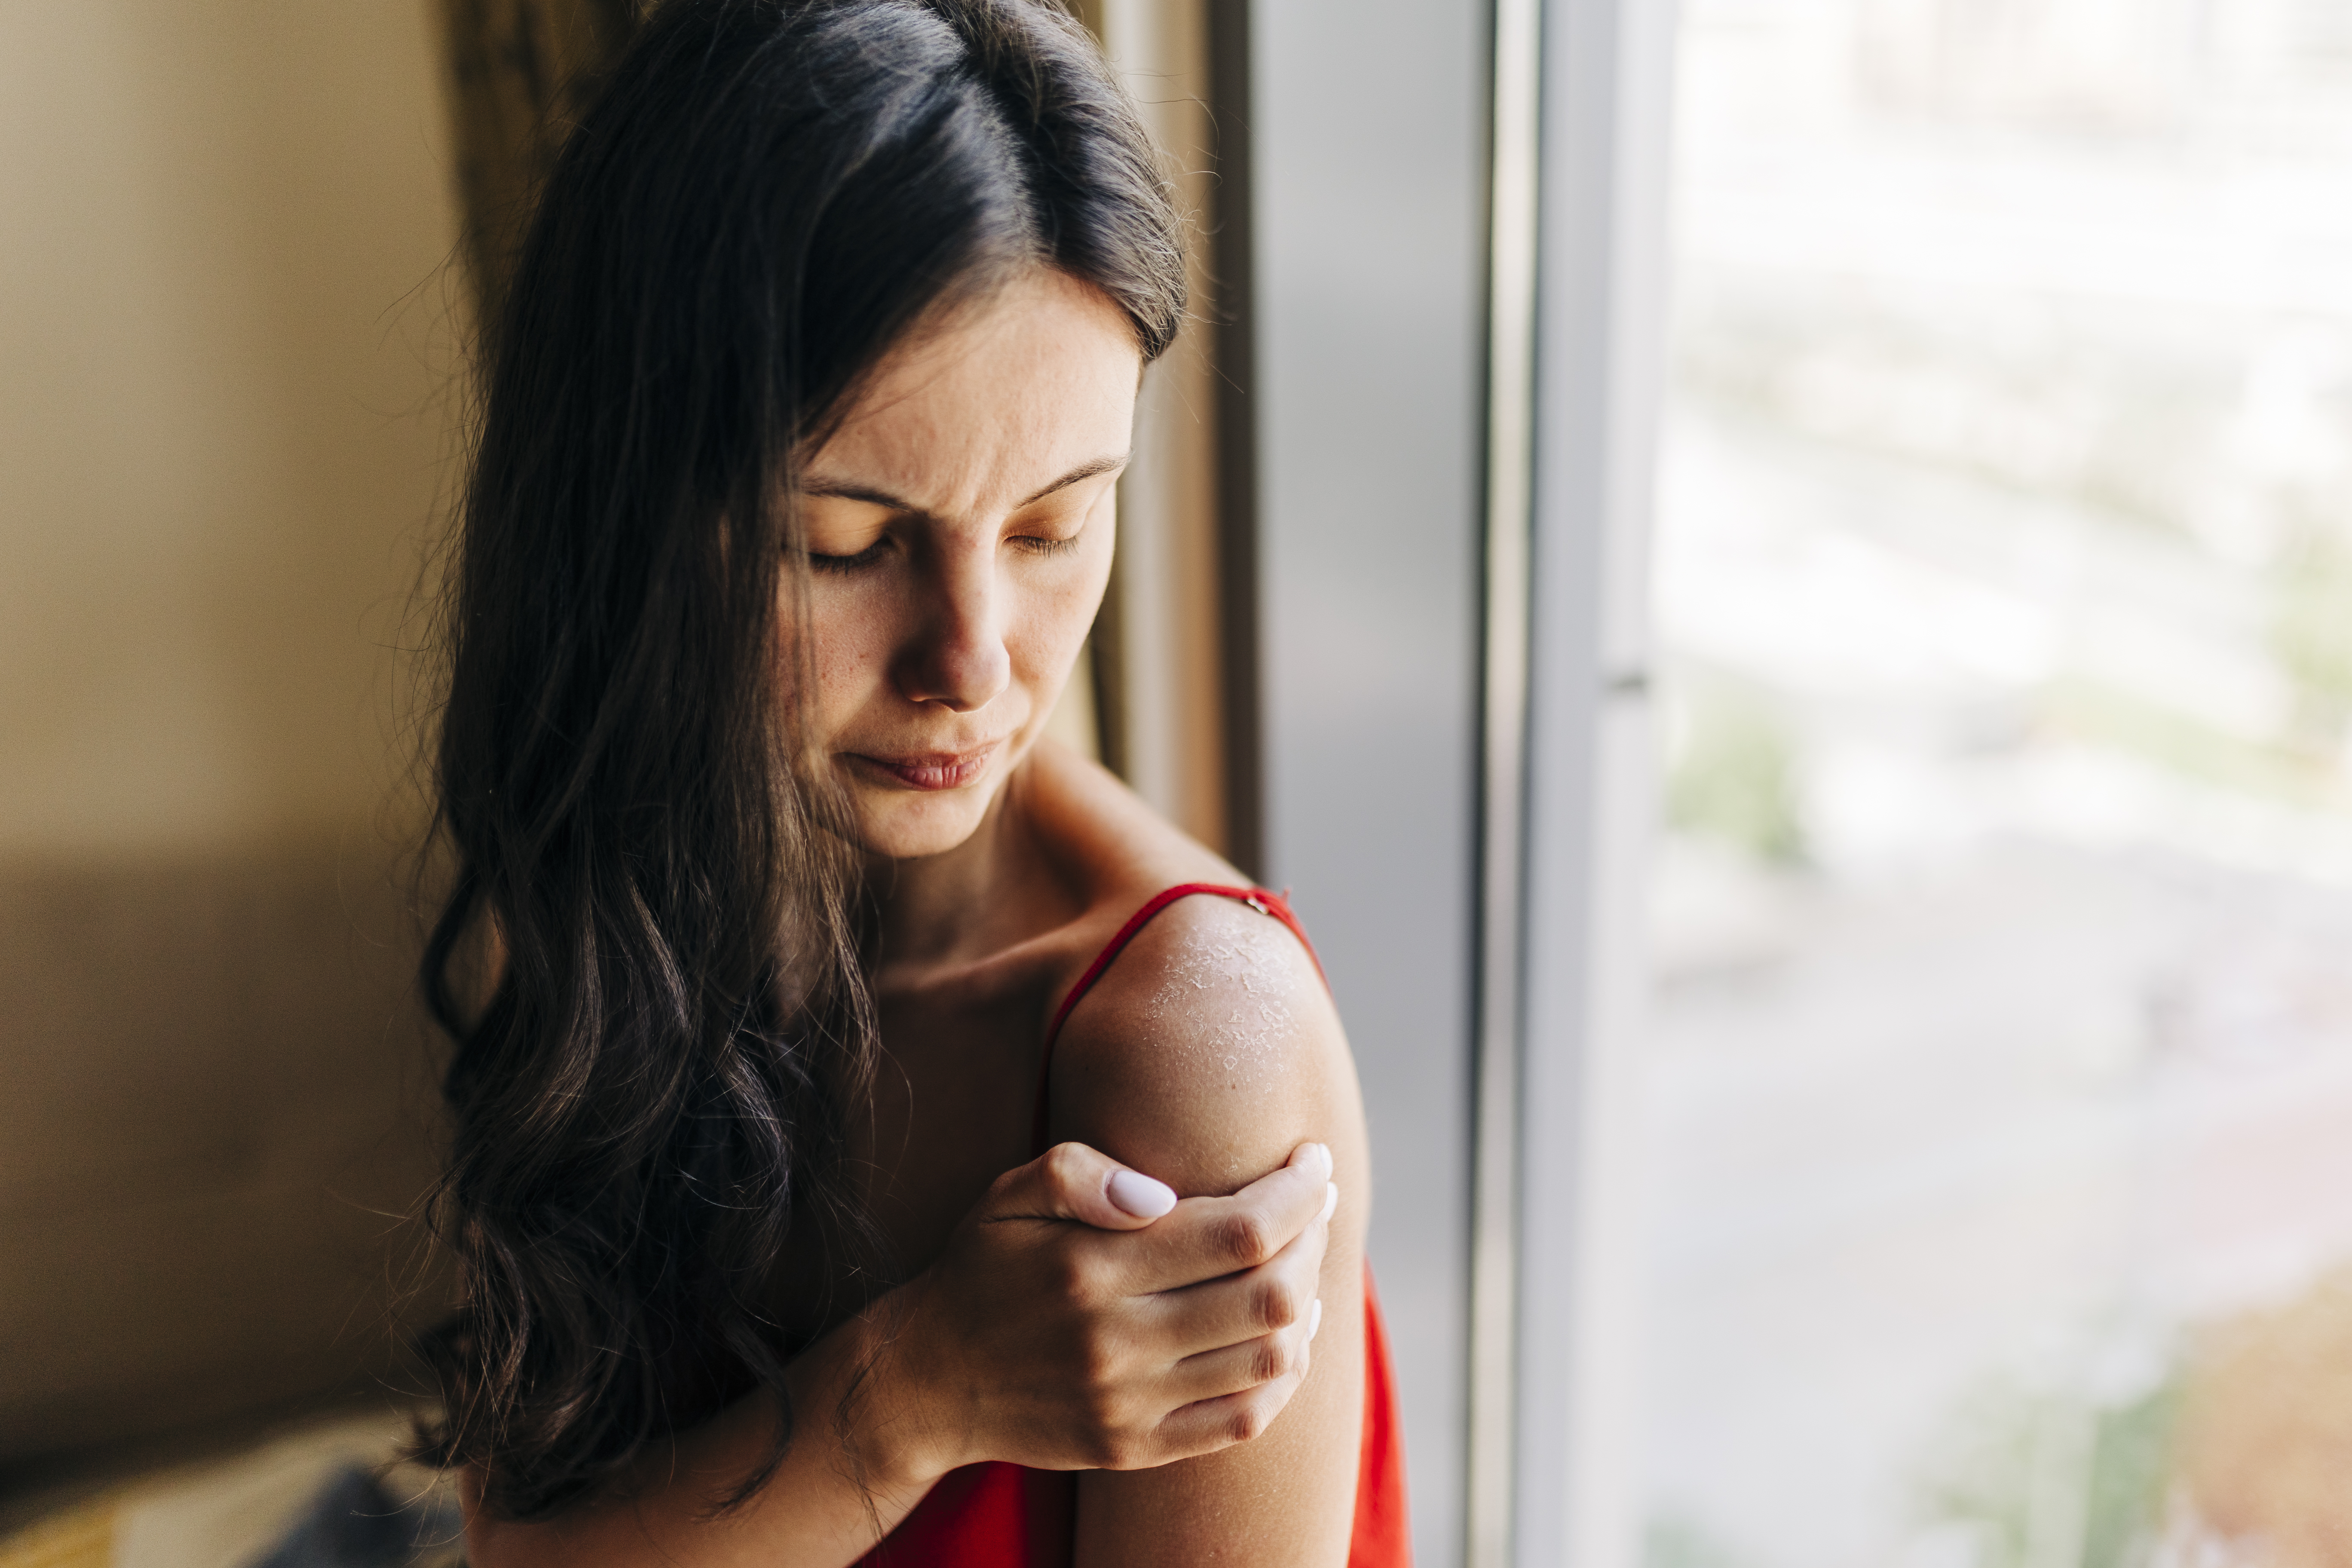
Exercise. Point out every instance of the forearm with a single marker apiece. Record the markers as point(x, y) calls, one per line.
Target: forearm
point(856, 1464)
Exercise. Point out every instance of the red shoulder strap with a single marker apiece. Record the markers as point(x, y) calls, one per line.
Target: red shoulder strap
point(1265, 900)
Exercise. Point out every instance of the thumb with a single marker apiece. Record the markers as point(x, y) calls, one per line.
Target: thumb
point(1072, 1181)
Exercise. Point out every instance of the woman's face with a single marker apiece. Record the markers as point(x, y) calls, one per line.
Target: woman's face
point(960, 527)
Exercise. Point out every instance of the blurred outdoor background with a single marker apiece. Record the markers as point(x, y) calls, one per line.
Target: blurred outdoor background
point(2001, 1138)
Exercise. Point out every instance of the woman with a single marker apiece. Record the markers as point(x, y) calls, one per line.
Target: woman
point(816, 1020)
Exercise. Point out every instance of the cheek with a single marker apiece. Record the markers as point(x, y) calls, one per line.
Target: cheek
point(1044, 642)
point(847, 655)
point(1053, 627)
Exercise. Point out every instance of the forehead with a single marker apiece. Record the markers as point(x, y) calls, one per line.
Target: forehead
point(1004, 399)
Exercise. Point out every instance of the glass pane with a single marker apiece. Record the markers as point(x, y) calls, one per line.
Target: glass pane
point(2002, 1137)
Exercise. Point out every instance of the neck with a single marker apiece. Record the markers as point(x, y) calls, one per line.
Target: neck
point(938, 906)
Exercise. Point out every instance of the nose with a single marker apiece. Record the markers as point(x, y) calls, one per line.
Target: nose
point(957, 656)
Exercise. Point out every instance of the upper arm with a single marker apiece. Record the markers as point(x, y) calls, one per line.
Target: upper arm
point(1207, 1053)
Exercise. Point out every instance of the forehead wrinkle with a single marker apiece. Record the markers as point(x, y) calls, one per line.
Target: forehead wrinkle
point(949, 451)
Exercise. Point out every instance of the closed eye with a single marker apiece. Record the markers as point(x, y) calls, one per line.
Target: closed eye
point(870, 556)
point(1035, 546)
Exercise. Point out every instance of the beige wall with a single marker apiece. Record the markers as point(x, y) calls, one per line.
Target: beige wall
point(222, 360)
point(1171, 620)
point(225, 345)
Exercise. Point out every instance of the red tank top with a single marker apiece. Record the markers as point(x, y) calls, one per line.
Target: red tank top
point(996, 1515)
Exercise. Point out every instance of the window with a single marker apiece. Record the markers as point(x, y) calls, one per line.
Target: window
point(2001, 1062)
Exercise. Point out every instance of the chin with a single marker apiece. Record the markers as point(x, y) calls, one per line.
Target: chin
point(907, 827)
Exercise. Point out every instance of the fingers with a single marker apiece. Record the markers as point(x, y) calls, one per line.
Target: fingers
point(1072, 1181)
point(1238, 1391)
point(1237, 1368)
point(1206, 1238)
point(1210, 1424)
point(1275, 1295)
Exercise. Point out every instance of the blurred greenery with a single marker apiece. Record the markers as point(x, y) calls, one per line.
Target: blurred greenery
point(1734, 778)
point(2050, 1481)
point(2310, 635)
point(1677, 1540)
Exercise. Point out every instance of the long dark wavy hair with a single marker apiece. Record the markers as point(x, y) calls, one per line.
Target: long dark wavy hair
point(650, 958)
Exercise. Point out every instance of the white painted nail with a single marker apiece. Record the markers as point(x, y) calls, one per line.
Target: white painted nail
point(1140, 1195)
point(1325, 1150)
point(1330, 1199)
point(1315, 1320)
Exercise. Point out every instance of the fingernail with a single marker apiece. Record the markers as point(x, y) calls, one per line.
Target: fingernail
point(1315, 1320)
point(1325, 1150)
point(1330, 1199)
point(1140, 1195)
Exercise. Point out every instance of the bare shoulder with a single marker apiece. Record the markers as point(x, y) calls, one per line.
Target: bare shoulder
point(1208, 1050)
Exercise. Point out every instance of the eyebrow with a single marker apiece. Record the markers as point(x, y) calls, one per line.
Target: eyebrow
point(884, 498)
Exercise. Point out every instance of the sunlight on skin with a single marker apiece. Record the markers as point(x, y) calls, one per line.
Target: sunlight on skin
point(959, 525)
point(959, 529)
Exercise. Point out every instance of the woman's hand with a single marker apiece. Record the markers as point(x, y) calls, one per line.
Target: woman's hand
point(1082, 1317)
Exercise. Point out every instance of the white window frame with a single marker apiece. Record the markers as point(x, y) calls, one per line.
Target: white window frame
point(1582, 103)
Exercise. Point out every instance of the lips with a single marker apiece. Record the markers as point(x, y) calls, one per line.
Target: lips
point(933, 770)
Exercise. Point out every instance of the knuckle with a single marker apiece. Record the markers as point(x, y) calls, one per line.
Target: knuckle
point(1098, 1376)
point(1114, 1436)
point(1102, 1449)
point(1077, 1275)
point(1065, 1165)
point(1248, 1420)
point(1275, 1303)
point(1248, 1236)
point(1269, 1359)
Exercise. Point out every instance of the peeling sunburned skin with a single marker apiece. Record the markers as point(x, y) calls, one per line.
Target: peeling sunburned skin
point(1227, 991)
